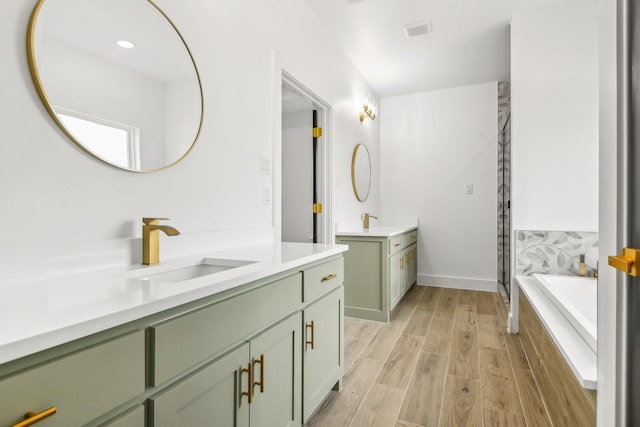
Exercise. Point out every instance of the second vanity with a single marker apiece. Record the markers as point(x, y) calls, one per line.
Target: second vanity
point(256, 345)
point(380, 267)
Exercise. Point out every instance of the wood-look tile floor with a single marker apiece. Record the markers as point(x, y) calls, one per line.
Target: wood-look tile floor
point(445, 359)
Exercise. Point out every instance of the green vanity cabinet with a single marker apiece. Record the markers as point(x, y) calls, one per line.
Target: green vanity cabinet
point(182, 342)
point(209, 396)
point(402, 273)
point(81, 385)
point(265, 369)
point(396, 277)
point(323, 313)
point(133, 418)
point(198, 363)
point(323, 349)
point(379, 270)
point(277, 375)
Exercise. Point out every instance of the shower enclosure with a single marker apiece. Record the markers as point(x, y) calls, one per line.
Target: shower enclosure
point(504, 179)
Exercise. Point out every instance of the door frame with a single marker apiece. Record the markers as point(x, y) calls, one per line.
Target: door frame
point(326, 232)
point(613, 233)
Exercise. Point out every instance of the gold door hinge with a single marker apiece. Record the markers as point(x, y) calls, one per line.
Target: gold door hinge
point(627, 261)
point(317, 132)
point(317, 208)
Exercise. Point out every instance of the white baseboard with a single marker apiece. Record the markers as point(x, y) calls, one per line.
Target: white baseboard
point(458, 283)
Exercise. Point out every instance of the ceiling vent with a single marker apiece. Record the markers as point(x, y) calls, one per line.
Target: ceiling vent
point(414, 30)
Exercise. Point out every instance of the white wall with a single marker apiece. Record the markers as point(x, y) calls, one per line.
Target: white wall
point(297, 176)
point(432, 145)
point(554, 96)
point(53, 193)
point(349, 209)
point(183, 103)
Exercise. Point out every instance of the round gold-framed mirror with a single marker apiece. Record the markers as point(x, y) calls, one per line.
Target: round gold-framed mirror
point(361, 172)
point(118, 78)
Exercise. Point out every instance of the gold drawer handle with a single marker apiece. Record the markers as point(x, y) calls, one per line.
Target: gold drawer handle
point(313, 330)
point(32, 417)
point(261, 382)
point(626, 261)
point(329, 277)
point(397, 244)
point(249, 392)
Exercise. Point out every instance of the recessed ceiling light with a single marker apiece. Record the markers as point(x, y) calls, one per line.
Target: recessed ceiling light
point(126, 44)
point(418, 29)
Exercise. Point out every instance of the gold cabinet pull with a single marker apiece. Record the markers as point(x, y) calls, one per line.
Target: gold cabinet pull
point(33, 417)
point(626, 261)
point(329, 277)
point(312, 342)
point(249, 392)
point(261, 382)
point(396, 245)
point(402, 263)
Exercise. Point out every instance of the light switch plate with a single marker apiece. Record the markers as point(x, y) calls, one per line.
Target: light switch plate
point(266, 195)
point(265, 165)
point(469, 189)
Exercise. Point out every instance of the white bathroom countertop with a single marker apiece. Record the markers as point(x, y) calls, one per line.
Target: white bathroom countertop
point(376, 231)
point(38, 315)
point(577, 353)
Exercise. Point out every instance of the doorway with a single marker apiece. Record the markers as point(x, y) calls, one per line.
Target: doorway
point(306, 209)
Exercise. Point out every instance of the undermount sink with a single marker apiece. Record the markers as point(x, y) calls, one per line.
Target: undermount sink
point(204, 267)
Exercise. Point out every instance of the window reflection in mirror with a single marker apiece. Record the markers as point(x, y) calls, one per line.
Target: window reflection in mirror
point(114, 141)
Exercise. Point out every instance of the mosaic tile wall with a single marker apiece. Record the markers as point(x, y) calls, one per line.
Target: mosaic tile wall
point(555, 252)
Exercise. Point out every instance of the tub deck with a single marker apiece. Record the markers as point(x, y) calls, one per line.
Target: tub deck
point(577, 299)
point(576, 352)
point(567, 401)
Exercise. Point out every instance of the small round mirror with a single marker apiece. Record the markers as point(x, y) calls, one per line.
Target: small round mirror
point(361, 172)
point(118, 79)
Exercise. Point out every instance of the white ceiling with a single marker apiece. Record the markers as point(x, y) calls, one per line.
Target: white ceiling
point(469, 43)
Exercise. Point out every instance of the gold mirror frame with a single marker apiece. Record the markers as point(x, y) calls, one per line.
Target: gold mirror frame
point(35, 76)
point(360, 195)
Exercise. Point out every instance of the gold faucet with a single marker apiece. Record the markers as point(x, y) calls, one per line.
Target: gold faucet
point(365, 220)
point(151, 239)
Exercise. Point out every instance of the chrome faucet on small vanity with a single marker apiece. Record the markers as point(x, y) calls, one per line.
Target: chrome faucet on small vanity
point(365, 220)
point(151, 239)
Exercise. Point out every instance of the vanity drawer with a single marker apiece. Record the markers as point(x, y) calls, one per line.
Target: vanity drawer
point(185, 341)
point(82, 385)
point(321, 279)
point(399, 242)
point(395, 244)
point(413, 236)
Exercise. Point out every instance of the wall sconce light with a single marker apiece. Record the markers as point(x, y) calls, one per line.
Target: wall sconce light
point(369, 109)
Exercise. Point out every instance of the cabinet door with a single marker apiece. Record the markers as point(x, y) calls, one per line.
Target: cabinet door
point(406, 271)
point(323, 351)
point(395, 272)
point(277, 375)
point(413, 271)
point(134, 418)
point(210, 396)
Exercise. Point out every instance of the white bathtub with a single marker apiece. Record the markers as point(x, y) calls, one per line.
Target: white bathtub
point(576, 298)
